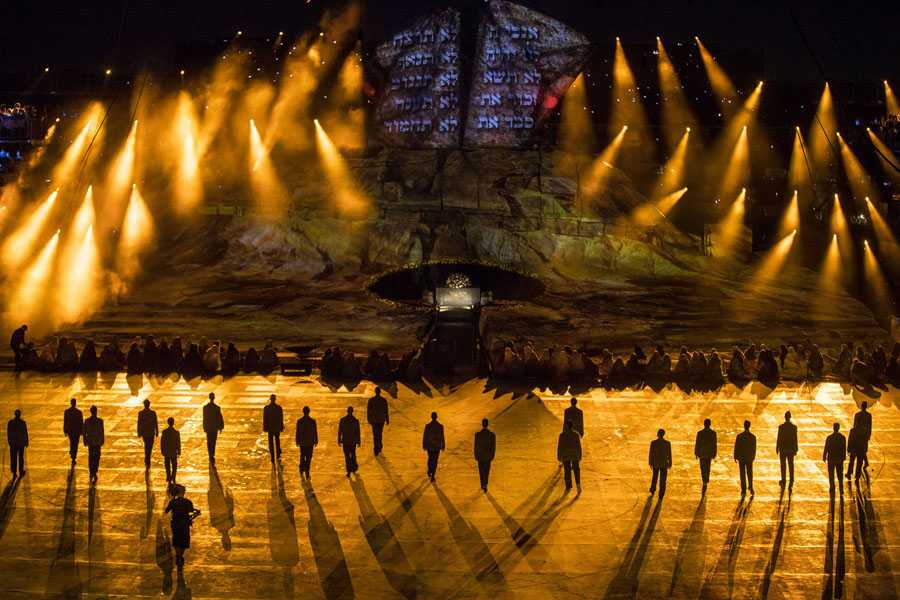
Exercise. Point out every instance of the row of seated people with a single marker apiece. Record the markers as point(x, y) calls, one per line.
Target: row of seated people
point(148, 356)
point(339, 364)
point(797, 362)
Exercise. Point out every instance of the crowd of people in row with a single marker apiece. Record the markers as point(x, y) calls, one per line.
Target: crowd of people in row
point(795, 362)
point(18, 121)
point(343, 365)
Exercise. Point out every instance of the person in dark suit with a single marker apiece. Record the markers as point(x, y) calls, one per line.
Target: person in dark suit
point(660, 461)
point(183, 515)
point(834, 454)
point(575, 416)
point(307, 439)
point(433, 443)
point(378, 416)
point(349, 440)
point(858, 448)
point(17, 343)
point(17, 437)
point(568, 452)
point(705, 449)
point(170, 445)
point(786, 447)
point(273, 424)
point(485, 448)
point(94, 439)
point(744, 455)
point(213, 423)
point(147, 429)
point(863, 420)
point(73, 428)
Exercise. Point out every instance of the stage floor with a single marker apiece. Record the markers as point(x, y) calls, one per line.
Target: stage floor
point(391, 533)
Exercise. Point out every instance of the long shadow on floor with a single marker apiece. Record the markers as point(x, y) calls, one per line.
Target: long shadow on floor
point(221, 507)
point(727, 559)
point(331, 563)
point(64, 580)
point(164, 558)
point(406, 501)
point(97, 568)
point(875, 578)
point(625, 583)
point(384, 544)
point(8, 504)
point(782, 511)
point(150, 497)
point(282, 531)
point(689, 557)
point(472, 546)
point(835, 567)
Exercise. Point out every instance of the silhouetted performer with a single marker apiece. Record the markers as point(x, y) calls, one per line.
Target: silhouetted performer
point(863, 420)
point(575, 416)
point(349, 439)
point(568, 452)
point(273, 424)
point(93, 439)
point(834, 454)
point(705, 449)
point(213, 423)
point(660, 461)
point(378, 416)
point(433, 443)
point(147, 429)
point(17, 436)
point(485, 448)
point(786, 447)
point(858, 447)
point(17, 343)
point(183, 515)
point(744, 455)
point(73, 428)
point(307, 439)
point(170, 445)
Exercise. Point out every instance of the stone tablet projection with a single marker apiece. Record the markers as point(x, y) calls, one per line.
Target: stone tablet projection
point(431, 94)
point(524, 63)
point(419, 105)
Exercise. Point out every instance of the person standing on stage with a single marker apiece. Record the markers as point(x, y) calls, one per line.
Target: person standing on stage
point(568, 452)
point(183, 515)
point(94, 439)
point(786, 447)
point(17, 343)
point(73, 428)
point(17, 437)
point(273, 424)
point(744, 455)
point(575, 416)
point(307, 440)
point(147, 429)
point(349, 440)
point(705, 449)
point(378, 416)
point(858, 448)
point(660, 461)
point(833, 455)
point(433, 443)
point(170, 445)
point(213, 423)
point(863, 420)
point(485, 448)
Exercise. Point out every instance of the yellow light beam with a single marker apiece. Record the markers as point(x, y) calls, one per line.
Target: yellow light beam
point(790, 220)
point(724, 89)
point(860, 183)
point(737, 172)
point(26, 302)
point(78, 291)
point(269, 193)
point(887, 243)
point(137, 233)
point(599, 172)
point(729, 229)
point(822, 133)
point(627, 106)
point(674, 170)
point(122, 171)
point(652, 212)
point(773, 262)
point(676, 112)
point(890, 100)
point(20, 243)
point(830, 279)
point(798, 171)
point(876, 280)
point(349, 199)
point(576, 133)
point(886, 157)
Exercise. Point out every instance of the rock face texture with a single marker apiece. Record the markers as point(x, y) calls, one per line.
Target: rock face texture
point(610, 282)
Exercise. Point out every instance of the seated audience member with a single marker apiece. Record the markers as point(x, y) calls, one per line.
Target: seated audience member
point(193, 362)
point(618, 373)
point(843, 363)
point(177, 352)
point(30, 359)
point(878, 361)
point(212, 359)
point(815, 363)
point(575, 365)
point(111, 358)
point(589, 370)
point(47, 358)
point(737, 368)
point(151, 355)
point(232, 362)
point(384, 366)
point(203, 346)
point(698, 367)
point(88, 361)
point(893, 366)
point(534, 368)
point(660, 365)
point(352, 367)
point(751, 359)
point(639, 352)
point(861, 372)
point(134, 360)
point(268, 359)
point(634, 367)
point(165, 362)
point(66, 356)
point(714, 368)
point(792, 366)
point(370, 368)
point(559, 366)
point(782, 354)
point(251, 360)
point(683, 366)
point(767, 371)
point(604, 367)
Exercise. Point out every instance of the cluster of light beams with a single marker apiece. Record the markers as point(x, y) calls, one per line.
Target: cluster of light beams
point(676, 112)
point(18, 246)
point(724, 89)
point(890, 100)
point(137, 233)
point(349, 199)
point(598, 173)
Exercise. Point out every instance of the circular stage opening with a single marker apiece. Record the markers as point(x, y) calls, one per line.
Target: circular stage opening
point(427, 283)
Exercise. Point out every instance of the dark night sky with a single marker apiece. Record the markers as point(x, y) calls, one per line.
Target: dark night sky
point(855, 41)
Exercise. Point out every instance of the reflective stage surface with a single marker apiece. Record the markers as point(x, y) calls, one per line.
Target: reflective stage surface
point(392, 533)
